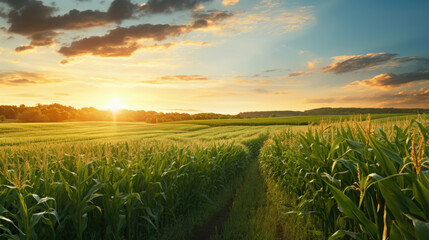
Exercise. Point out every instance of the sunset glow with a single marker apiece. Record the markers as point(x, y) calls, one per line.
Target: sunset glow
point(224, 56)
point(115, 105)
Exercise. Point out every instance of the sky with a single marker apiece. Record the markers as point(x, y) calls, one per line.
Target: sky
point(224, 56)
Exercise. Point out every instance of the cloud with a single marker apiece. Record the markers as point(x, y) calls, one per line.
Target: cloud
point(272, 70)
point(39, 39)
point(170, 79)
point(320, 100)
point(417, 98)
point(270, 92)
point(312, 64)
point(392, 80)
point(275, 20)
point(254, 82)
point(185, 78)
point(295, 20)
point(32, 17)
point(123, 41)
point(168, 6)
point(345, 64)
point(298, 74)
point(120, 10)
point(204, 19)
point(20, 78)
point(229, 2)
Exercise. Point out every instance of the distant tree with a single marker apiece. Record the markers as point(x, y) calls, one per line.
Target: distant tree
point(31, 115)
point(53, 115)
point(2, 118)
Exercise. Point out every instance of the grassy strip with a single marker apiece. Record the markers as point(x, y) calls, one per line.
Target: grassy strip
point(289, 225)
point(259, 212)
point(187, 225)
point(252, 216)
point(194, 221)
point(296, 120)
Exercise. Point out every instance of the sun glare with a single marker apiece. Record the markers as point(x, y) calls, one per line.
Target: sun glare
point(115, 105)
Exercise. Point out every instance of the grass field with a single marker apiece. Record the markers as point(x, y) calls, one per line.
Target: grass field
point(71, 132)
point(297, 120)
point(107, 180)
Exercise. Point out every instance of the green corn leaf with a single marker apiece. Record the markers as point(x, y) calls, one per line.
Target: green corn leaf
point(353, 212)
point(342, 233)
point(422, 228)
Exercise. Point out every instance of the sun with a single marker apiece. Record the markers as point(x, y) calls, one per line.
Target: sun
point(115, 105)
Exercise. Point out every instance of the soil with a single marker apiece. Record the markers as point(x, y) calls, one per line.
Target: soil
point(279, 231)
point(214, 225)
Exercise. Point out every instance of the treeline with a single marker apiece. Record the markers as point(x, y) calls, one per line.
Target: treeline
point(59, 113)
point(332, 111)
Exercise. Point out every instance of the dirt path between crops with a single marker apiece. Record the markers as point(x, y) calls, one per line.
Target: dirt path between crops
point(214, 225)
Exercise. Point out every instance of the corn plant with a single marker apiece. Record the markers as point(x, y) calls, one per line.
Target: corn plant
point(356, 180)
point(121, 190)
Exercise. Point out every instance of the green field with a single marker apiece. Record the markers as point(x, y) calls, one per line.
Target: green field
point(72, 132)
point(297, 120)
point(216, 179)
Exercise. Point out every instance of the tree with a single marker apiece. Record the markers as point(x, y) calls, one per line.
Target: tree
point(2, 118)
point(53, 115)
point(31, 115)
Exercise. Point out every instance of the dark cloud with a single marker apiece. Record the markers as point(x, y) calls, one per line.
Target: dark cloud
point(37, 40)
point(204, 19)
point(359, 62)
point(24, 48)
point(168, 6)
point(32, 18)
point(392, 80)
point(422, 64)
point(320, 100)
point(121, 9)
point(122, 41)
point(29, 17)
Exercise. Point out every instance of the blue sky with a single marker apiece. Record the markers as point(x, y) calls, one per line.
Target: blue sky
point(215, 55)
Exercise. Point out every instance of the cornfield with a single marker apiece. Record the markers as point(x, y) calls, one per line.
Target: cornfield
point(128, 190)
point(355, 180)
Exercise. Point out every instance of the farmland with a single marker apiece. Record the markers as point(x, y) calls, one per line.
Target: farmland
point(361, 180)
point(117, 180)
point(296, 120)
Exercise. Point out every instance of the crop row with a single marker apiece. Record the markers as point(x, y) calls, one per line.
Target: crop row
point(355, 181)
point(111, 191)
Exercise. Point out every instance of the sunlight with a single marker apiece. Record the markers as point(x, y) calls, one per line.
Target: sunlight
point(115, 105)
